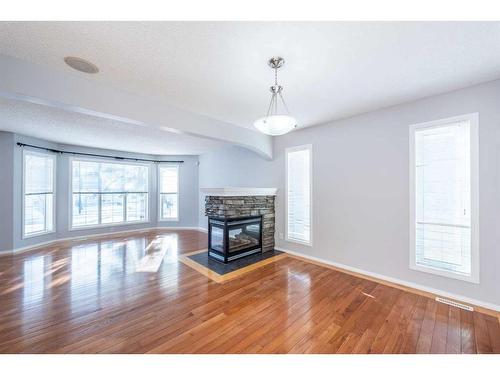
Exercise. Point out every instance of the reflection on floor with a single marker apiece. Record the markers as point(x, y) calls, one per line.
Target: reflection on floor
point(88, 297)
point(155, 252)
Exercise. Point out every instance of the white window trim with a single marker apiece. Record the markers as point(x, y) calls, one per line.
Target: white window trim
point(473, 119)
point(54, 200)
point(177, 218)
point(287, 151)
point(97, 226)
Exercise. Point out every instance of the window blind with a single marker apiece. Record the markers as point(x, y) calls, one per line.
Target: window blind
point(299, 194)
point(169, 194)
point(38, 193)
point(443, 197)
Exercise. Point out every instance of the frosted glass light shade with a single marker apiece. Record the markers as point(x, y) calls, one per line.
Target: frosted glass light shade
point(275, 124)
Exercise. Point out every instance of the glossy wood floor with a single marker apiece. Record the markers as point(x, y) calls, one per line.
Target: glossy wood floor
point(86, 297)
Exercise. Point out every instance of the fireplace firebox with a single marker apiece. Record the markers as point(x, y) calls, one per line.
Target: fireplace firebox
point(234, 238)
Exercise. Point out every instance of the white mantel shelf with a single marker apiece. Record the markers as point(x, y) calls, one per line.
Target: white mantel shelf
point(238, 191)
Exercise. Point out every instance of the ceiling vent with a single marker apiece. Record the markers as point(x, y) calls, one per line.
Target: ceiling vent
point(81, 65)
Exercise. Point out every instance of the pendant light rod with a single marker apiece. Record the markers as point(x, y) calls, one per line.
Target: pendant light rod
point(284, 104)
point(270, 105)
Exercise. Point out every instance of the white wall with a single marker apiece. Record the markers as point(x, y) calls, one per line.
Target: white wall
point(361, 187)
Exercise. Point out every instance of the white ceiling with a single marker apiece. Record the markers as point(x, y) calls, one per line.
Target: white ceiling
point(218, 69)
point(61, 126)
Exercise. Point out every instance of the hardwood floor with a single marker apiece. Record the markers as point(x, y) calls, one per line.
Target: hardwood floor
point(86, 297)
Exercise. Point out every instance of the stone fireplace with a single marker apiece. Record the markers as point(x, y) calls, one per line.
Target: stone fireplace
point(238, 216)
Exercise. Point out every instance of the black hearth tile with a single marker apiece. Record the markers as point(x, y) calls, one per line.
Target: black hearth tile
point(222, 269)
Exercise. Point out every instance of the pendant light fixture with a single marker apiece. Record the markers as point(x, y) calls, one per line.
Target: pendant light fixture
point(276, 122)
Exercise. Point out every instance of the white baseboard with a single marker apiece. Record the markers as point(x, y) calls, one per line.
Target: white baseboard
point(4, 253)
point(394, 280)
point(199, 229)
point(20, 250)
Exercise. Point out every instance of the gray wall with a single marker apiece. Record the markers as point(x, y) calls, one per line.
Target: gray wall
point(6, 190)
point(12, 188)
point(361, 187)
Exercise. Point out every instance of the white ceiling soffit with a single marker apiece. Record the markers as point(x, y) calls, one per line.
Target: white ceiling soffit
point(64, 90)
point(333, 69)
point(60, 126)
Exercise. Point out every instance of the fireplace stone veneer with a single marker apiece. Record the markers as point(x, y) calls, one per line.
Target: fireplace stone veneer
point(244, 206)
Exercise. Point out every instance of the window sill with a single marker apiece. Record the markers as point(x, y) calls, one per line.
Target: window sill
point(448, 274)
point(90, 227)
point(38, 234)
point(169, 220)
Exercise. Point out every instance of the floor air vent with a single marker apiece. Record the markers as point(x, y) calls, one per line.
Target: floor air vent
point(453, 303)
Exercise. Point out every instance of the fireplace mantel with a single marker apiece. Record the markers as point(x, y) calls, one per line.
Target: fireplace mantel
point(238, 191)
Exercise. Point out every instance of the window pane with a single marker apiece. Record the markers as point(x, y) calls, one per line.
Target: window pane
point(38, 192)
point(169, 206)
point(112, 208)
point(442, 194)
point(169, 199)
point(85, 209)
point(137, 207)
point(112, 183)
point(34, 213)
point(85, 176)
point(299, 195)
point(123, 178)
point(168, 179)
point(136, 178)
point(112, 177)
point(39, 172)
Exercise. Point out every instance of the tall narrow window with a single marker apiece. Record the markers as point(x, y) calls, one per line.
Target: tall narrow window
point(444, 197)
point(169, 192)
point(299, 193)
point(107, 193)
point(39, 182)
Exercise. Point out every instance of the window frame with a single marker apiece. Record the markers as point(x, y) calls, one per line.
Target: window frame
point(287, 234)
point(107, 225)
point(473, 119)
point(177, 218)
point(54, 196)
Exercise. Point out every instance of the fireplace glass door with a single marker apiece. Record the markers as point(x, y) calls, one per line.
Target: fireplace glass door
point(242, 236)
point(233, 238)
point(217, 238)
